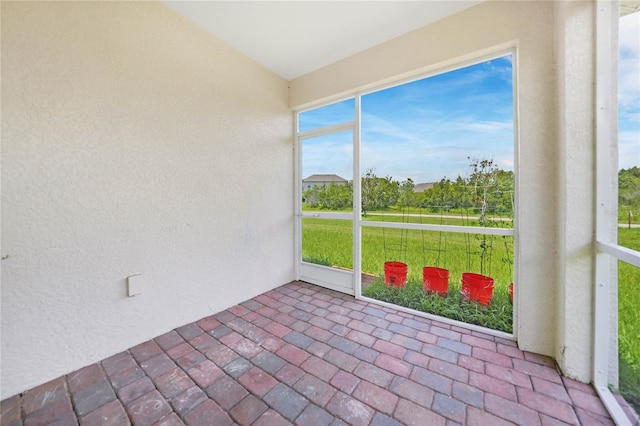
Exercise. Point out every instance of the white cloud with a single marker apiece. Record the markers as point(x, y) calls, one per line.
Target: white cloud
point(331, 154)
point(429, 145)
point(629, 148)
point(488, 126)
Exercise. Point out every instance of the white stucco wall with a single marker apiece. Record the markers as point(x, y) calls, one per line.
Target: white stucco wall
point(576, 189)
point(555, 168)
point(131, 143)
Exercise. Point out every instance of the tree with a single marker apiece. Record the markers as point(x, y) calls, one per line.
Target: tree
point(483, 183)
point(629, 187)
point(312, 195)
point(336, 196)
point(378, 193)
point(332, 197)
point(503, 197)
point(407, 196)
point(445, 194)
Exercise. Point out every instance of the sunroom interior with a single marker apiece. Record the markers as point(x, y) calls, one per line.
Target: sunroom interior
point(149, 172)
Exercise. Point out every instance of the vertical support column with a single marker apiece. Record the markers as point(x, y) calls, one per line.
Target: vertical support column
point(603, 205)
point(575, 56)
point(357, 205)
point(297, 191)
point(605, 350)
point(538, 175)
point(605, 332)
point(516, 206)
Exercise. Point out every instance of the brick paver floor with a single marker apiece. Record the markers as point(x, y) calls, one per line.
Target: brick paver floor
point(305, 355)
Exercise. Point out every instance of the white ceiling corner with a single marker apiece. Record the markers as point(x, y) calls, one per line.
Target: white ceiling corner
point(293, 38)
point(629, 6)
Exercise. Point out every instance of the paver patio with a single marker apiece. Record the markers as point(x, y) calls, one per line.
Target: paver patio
point(302, 354)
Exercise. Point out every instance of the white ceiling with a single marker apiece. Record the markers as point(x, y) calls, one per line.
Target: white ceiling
point(629, 6)
point(292, 38)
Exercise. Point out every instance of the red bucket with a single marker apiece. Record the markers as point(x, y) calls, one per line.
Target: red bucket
point(435, 280)
point(477, 287)
point(395, 274)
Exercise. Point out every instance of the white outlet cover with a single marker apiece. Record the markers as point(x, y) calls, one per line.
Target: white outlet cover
point(135, 285)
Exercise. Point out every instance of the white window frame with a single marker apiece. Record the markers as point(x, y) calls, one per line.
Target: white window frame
point(322, 274)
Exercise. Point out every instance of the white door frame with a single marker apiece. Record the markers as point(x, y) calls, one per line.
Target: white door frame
point(333, 278)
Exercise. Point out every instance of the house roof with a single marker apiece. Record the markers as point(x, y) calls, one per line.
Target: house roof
point(419, 187)
point(324, 178)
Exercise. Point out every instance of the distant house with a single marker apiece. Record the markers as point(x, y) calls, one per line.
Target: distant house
point(322, 180)
point(420, 187)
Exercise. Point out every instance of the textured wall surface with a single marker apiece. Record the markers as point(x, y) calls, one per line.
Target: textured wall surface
point(132, 142)
point(554, 160)
point(576, 194)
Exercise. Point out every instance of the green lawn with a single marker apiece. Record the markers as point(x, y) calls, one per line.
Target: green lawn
point(329, 242)
point(629, 320)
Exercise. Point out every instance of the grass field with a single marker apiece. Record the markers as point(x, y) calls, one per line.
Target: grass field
point(329, 242)
point(629, 320)
point(629, 300)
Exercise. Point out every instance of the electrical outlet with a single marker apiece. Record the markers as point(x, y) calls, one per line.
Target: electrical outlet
point(135, 284)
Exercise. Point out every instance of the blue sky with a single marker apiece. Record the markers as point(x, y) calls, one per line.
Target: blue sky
point(427, 129)
point(629, 92)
